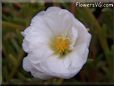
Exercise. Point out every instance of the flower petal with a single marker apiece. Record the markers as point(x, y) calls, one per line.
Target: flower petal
point(30, 43)
point(26, 31)
point(40, 53)
point(73, 63)
point(73, 36)
point(34, 36)
point(53, 9)
point(59, 24)
point(54, 66)
point(27, 64)
point(36, 17)
point(84, 36)
point(38, 74)
point(25, 45)
point(40, 28)
point(82, 51)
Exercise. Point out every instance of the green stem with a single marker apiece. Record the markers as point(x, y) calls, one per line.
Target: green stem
point(8, 25)
point(14, 70)
point(98, 32)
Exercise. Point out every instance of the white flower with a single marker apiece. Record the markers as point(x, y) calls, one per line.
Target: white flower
point(56, 43)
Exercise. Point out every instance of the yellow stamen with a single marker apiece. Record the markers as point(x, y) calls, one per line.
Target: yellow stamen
point(61, 45)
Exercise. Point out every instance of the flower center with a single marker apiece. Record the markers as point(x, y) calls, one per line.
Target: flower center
point(61, 45)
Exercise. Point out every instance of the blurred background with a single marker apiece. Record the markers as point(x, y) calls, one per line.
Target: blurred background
point(99, 67)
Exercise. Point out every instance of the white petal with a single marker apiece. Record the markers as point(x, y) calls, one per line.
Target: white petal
point(27, 64)
point(52, 67)
point(34, 67)
point(73, 36)
point(82, 46)
point(73, 63)
point(40, 32)
point(26, 31)
point(85, 55)
point(40, 28)
point(55, 67)
point(40, 14)
point(43, 68)
point(59, 23)
point(56, 64)
point(84, 36)
point(25, 45)
point(34, 36)
point(38, 74)
point(82, 51)
point(40, 53)
point(31, 42)
point(83, 39)
point(35, 18)
point(53, 9)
